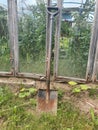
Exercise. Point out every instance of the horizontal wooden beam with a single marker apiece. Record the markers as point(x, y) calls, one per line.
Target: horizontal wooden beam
point(67, 79)
point(6, 74)
point(33, 76)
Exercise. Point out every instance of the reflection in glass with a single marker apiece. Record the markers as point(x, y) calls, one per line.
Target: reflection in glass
point(32, 33)
point(75, 40)
point(4, 44)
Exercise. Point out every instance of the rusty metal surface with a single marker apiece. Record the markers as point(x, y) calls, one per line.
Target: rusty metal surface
point(44, 105)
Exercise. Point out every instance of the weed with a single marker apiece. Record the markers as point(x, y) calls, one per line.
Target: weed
point(94, 119)
point(5, 95)
point(15, 115)
point(27, 92)
point(72, 83)
point(93, 92)
point(78, 88)
point(61, 93)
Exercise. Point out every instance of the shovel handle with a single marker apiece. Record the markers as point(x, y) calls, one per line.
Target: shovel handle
point(52, 10)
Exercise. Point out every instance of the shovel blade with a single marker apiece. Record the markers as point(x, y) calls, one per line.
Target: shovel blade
point(49, 106)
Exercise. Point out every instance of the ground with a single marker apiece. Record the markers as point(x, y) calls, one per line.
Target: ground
point(81, 100)
point(76, 110)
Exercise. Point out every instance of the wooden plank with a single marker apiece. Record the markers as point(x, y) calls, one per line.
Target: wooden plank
point(95, 68)
point(62, 79)
point(13, 34)
point(47, 33)
point(16, 47)
point(3, 73)
point(30, 75)
point(57, 39)
point(6, 74)
point(93, 44)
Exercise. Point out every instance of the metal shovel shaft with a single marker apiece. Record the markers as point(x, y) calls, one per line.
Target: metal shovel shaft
point(52, 11)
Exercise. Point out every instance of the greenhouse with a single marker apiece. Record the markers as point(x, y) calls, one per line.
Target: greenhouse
point(24, 34)
point(48, 65)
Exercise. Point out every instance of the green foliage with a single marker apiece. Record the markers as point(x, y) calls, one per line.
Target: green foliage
point(32, 90)
point(3, 22)
point(33, 101)
point(93, 92)
point(76, 90)
point(94, 118)
point(4, 96)
point(15, 115)
point(32, 32)
point(4, 47)
point(84, 87)
point(27, 92)
point(80, 88)
point(61, 93)
point(76, 48)
point(72, 83)
point(92, 114)
point(24, 94)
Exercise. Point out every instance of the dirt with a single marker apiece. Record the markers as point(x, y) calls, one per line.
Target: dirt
point(1, 121)
point(85, 103)
point(82, 100)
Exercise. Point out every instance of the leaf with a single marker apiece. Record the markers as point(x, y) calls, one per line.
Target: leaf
point(32, 90)
point(68, 129)
point(22, 95)
point(76, 90)
point(72, 83)
point(27, 94)
point(92, 114)
point(1, 90)
point(84, 87)
point(33, 102)
point(23, 89)
point(96, 122)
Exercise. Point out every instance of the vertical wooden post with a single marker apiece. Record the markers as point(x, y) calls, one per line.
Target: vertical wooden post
point(95, 68)
point(47, 32)
point(13, 34)
point(57, 38)
point(93, 45)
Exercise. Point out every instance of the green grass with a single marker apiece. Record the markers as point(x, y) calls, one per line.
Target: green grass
point(31, 65)
point(5, 64)
point(19, 114)
point(70, 68)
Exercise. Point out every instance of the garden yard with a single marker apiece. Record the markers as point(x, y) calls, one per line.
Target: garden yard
point(28, 61)
point(77, 110)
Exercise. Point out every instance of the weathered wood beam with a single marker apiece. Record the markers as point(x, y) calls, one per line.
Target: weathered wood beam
point(95, 67)
point(13, 35)
point(47, 33)
point(93, 44)
point(62, 79)
point(30, 75)
point(57, 38)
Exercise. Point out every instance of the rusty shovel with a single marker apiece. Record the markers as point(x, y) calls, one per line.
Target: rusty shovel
point(47, 98)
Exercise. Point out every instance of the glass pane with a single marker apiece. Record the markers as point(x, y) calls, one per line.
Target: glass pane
point(4, 44)
point(32, 33)
point(75, 38)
